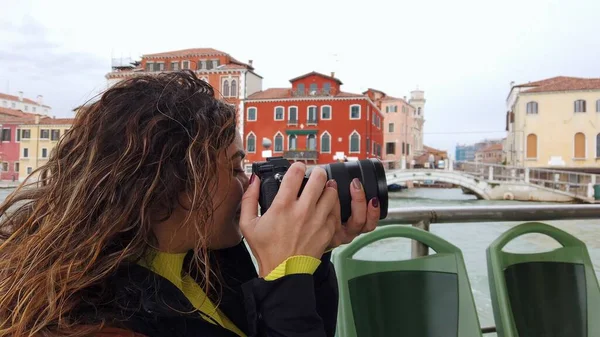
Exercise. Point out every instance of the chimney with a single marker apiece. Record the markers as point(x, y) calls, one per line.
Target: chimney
point(40, 99)
point(250, 62)
point(333, 74)
point(21, 96)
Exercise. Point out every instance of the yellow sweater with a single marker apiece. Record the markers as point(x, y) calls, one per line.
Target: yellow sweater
point(170, 266)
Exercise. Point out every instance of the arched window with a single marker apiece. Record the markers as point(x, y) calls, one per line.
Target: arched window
point(251, 143)
point(311, 142)
point(233, 88)
point(311, 115)
point(419, 111)
point(579, 105)
point(252, 112)
point(292, 115)
point(279, 113)
point(278, 143)
point(354, 142)
point(326, 112)
point(532, 146)
point(325, 142)
point(292, 142)
point(225, 88)
point(580, 145)
point(313, 87)
point(532, 108)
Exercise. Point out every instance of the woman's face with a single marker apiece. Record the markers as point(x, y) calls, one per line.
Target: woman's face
point(232, 182)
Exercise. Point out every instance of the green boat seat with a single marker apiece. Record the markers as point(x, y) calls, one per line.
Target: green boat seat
point(427, 296)
point(549, 294)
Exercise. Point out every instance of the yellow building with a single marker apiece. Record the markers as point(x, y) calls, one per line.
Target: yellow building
point(37, 140)
point(554, 123)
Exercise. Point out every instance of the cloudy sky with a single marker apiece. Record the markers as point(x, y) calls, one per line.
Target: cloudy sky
point(463, 53)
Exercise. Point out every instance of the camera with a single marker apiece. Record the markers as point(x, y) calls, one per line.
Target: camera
point(370, 172)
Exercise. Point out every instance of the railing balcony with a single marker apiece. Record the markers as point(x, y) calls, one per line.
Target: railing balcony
point(301, 155)
point(309, 92)
point(292, 121)
point(312, 121)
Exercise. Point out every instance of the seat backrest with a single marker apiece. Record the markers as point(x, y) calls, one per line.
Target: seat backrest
point(427, 296)
point(548, 294)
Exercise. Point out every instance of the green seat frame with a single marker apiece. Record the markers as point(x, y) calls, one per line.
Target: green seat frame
point(427, 296)
point(549, 294)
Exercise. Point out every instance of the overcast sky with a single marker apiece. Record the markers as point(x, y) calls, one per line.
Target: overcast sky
point(463, 53)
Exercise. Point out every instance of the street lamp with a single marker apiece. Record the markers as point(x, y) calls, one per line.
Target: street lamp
point(266, 143)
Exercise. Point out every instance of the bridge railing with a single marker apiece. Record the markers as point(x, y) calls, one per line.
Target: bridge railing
point(576, 183)
point(423, 217)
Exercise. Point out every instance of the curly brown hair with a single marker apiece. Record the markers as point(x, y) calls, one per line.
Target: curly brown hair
point(125, 161)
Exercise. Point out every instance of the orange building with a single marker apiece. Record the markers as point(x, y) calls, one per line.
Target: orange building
point(314, 121)
point(232, 80)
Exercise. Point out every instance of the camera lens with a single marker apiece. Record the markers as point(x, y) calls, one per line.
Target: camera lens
point(371, 174)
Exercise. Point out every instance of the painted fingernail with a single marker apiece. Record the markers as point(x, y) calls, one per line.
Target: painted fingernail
point(356, 183)
point(251, 179)
point(375, 202)
point(331, 183)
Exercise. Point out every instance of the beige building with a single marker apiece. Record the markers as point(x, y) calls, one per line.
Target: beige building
point(554, 123)
point(37, 140)
point(491, 154)
point(417, 100)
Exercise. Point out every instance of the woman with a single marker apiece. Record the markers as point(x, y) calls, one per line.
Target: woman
point(136, 228)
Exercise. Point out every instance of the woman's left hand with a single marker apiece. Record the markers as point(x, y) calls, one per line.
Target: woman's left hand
point(364, 218)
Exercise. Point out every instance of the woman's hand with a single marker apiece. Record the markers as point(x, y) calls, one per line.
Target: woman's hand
point(292, 226)
point(363, 219)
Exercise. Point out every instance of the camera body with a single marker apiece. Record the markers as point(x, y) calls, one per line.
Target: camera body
point(370, 172)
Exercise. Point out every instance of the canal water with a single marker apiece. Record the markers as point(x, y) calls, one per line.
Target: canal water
point(474, 238)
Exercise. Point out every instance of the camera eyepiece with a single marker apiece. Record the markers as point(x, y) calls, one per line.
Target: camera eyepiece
point(370, 172)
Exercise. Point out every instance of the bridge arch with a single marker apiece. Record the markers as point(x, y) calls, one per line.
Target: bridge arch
point(468, 182)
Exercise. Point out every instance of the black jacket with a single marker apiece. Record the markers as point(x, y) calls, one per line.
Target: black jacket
point(300, 305)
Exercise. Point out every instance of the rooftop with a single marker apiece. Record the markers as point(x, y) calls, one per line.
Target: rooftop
point(561, 83)
point(492, 148)
point(316, 74)
point(278, 93)
point(16, 98)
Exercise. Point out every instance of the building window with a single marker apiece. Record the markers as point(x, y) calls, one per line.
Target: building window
point(580, 146)
point(26, 134)
point(234, 88)
point(17, 166)
point(292, 115)
point(278, 143)
point(390, 148)
point(13, 105)
point(34, 109)
point(368, 147)
point(313, 88)
point(5, 103)
point(395, 108)
point(326, 142)
point(598, 145)
point(301, 89)
point(6, 135)
point(29, 169)
point(391, 127)
point(25, 152)
point(251, 143)
point(44, 134)
point(4, 166)
point(579, 105)
point(354, 142)
point(355, 111)
point(326, 112)
point(279, 113)
point(419, 111)
point(311, 115)
point(186, 65)
point(226, 88)
point(598, 105)
point(532, 146)
point(327, 88)
point(149, 66)
point(408, 149)
point(532, 108)
point(292, 142)
point(174, 65)
point(55, 135)
point(44, 153)
point(27, 108)
point(215, 63)
point(311, 142)
point(403, 148)
point(161, 66)
point(252, 114)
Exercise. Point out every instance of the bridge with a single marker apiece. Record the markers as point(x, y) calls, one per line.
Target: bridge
point(499, 182)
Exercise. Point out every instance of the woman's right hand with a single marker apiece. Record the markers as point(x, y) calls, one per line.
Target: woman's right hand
point(291, 226)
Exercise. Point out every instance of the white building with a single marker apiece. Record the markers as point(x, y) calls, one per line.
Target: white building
point(25, 104)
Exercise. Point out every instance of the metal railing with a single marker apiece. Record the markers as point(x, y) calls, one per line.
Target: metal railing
point(423, 217)
point(301, 154)
point(310, 92)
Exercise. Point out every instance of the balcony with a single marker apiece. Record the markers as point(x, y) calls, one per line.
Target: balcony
point(309, 92)
point(293, 121)
point(301, 155)
point(312, 121)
